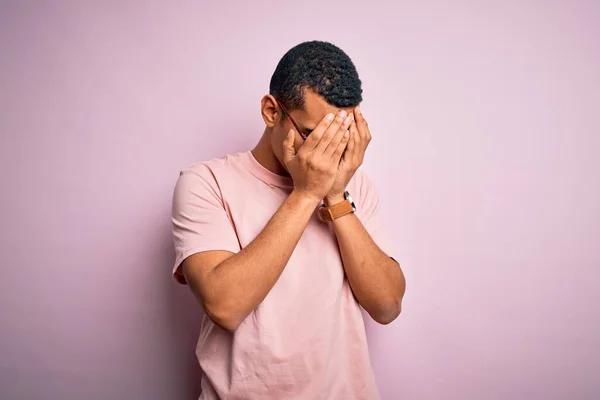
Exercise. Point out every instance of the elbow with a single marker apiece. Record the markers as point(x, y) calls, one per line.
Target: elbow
point(390, 308)
point(223, 316)
point(387, 314)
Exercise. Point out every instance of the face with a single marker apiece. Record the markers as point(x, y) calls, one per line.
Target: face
point(315, 109)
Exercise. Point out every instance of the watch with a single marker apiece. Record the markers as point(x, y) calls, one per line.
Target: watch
point(338, 210)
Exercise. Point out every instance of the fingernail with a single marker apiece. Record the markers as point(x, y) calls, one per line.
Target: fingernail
point(347, 120)
point(346, 134)
point(329, 117)
point(352, 116)
point(342, 113)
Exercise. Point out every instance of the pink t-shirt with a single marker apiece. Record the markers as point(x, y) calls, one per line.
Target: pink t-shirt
point(306, 340)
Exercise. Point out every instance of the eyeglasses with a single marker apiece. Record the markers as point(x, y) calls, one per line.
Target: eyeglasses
point(302, 134)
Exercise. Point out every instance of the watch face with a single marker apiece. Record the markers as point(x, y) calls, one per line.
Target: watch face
point(349, 198)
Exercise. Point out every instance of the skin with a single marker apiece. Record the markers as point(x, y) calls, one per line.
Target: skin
point(231, 286)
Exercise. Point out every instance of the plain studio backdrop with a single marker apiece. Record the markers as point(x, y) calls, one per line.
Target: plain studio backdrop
point(485, 118)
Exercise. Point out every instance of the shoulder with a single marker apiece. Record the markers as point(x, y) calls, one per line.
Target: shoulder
point(215, 166)
point(214, 170)
point(206, 176)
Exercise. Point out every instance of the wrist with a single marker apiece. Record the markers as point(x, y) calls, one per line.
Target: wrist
point(304, 199)
point(333, 199)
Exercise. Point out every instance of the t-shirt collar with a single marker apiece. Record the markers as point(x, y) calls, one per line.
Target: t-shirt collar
point(265, 175)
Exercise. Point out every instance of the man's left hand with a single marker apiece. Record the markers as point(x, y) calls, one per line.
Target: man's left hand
point(360, 137)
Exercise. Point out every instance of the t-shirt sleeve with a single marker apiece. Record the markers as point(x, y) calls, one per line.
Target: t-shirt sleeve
point(368, 213)
point(200, 221)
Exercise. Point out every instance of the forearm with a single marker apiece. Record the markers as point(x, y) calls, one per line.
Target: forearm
point(240, 283)
point(376, 279)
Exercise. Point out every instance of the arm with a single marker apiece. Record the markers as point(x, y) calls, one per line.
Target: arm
point(231, 286)
point(376, 279)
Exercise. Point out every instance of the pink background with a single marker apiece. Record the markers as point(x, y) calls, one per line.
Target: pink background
point(485, 118)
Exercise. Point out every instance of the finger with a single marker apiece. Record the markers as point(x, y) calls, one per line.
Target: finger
point(330, 132)
point(288, 147)
point(334, 134)
point(339, 151)
point(361, 123)
point(352, 142)
point(338, 136)
point(315, 137)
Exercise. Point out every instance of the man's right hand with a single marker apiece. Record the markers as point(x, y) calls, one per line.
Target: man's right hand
point(314, 167)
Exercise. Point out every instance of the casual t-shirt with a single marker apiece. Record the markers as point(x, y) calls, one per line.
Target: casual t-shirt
point(306, 340)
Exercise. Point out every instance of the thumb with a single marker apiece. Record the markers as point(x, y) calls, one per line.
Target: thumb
point(288, 147)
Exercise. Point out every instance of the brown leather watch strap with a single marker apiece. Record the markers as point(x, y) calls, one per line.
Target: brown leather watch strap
point(336, 211)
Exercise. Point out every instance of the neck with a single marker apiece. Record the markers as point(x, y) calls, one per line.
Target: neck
point(263, 153)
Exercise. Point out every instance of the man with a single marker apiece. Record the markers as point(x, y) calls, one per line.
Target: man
point(276, 251)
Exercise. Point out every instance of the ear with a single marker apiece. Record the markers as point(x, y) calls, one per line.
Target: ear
point(270, 111)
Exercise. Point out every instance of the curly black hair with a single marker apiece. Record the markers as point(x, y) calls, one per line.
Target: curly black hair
point(320, 66)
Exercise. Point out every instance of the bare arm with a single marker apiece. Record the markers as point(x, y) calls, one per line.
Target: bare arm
point(231, 286)
point(376, 279)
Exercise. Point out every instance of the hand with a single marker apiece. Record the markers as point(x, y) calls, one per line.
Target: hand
point(315, 166)
point(360, 137)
